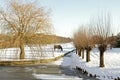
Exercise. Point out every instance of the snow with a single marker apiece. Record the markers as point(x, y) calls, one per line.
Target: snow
point(109, 72)
point(33, 52)
point(55, 77)
point(112, 64)
point(67, 62)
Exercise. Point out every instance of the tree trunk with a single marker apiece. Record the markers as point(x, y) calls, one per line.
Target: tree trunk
point(102, 49)
point(88, 49)
point(102, 59)
point(22, 52)
point(87, 55)
point(82, 50)
point(76, 50)
point(79, 52)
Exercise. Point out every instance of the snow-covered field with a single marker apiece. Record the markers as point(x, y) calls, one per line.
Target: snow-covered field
point(33, 52)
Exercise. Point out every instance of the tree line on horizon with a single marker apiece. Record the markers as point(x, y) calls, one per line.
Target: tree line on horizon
point(42, 39)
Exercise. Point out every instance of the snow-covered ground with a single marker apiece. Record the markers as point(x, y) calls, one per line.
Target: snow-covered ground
point(112, 64)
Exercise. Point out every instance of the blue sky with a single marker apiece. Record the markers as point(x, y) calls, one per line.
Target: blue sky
point(67, 15)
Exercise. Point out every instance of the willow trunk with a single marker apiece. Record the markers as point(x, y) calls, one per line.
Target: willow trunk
point(87, 55)
point(102, 59)
point(82, 50)
point(22, 52)
point(79, 52)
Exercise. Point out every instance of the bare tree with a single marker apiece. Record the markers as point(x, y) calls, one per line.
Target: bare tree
point(89, 43)
point(82, 41)
point(101, 29)
point(76, 41)
point(79, 41)
point(23, 21)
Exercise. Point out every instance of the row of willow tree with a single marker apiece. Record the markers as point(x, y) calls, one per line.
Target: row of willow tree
point(98, 32)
